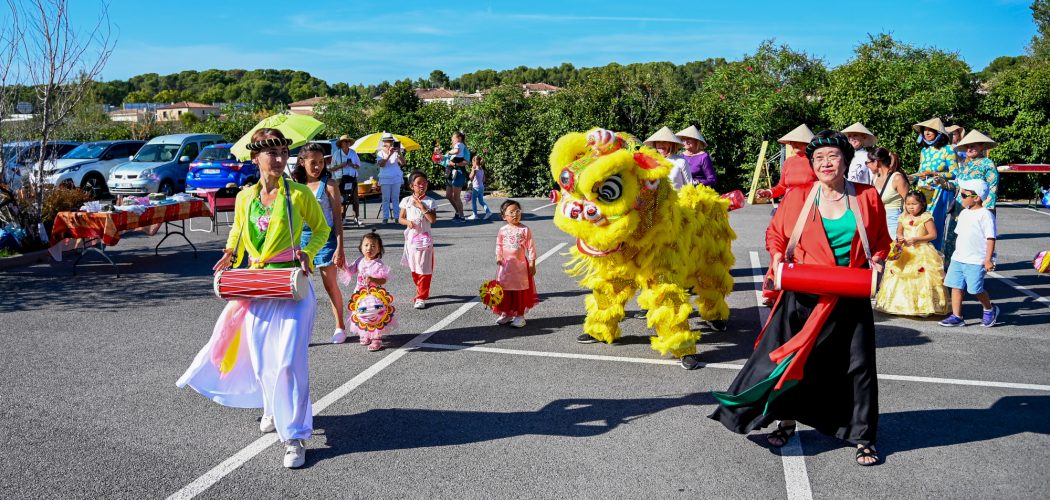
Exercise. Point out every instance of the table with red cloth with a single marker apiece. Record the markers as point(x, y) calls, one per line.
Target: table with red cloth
point(105, 229)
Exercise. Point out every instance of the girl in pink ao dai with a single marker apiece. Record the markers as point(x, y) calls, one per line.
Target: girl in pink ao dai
point(516, 258)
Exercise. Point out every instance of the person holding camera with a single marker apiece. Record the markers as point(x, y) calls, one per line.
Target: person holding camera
point(390, 159)
point(457, 159)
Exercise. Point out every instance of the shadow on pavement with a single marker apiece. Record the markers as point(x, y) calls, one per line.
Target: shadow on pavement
point(383, 429)
point(921, 429)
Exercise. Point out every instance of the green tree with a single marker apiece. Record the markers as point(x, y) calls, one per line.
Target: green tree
point(1040, 46)
point(890, 85)
point(438, 78)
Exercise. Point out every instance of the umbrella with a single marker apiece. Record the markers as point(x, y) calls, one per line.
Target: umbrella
point(370, 142)
point(299, 128)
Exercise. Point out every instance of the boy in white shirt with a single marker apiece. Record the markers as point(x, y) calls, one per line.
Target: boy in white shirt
point(974, 252)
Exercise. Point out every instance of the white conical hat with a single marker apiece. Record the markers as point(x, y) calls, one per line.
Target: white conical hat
point(859, 128)
point(933, 123)
point(801, 133)
point(693, 133)
point(663, 135)
point(975, 137)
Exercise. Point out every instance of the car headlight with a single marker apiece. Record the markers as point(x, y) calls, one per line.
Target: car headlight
point(146, 172)
point(69, 169)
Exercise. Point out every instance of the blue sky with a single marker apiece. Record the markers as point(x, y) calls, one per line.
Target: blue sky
point(368, 42)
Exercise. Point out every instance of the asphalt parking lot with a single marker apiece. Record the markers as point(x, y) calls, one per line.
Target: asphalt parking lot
point(460, 407)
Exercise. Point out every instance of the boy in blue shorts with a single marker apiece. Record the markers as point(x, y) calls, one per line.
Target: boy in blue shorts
point(974, 250)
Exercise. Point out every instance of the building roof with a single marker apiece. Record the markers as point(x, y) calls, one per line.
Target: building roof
point(125, 112)
point(311, 102)
point(540, 87)
point(438, 93)
point(186, 104)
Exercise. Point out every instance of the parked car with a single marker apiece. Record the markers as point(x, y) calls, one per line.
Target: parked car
point(217, 166)
point(161, 165)
point(19, 158)
point(88, 165)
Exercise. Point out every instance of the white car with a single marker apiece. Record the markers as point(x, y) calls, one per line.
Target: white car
point(88, 166)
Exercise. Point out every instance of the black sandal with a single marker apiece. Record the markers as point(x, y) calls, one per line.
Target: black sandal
point(867, 452)
point(782, 434)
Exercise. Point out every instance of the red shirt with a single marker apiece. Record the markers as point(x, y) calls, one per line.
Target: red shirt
point(813, 246)
point(797, 171)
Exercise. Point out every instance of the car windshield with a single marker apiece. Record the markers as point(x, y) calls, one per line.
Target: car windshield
point(220, 154)
point(9, 152)
point(86, 151)
point(157, 152)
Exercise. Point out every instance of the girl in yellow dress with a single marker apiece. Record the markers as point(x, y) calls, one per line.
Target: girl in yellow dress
point(913, 284)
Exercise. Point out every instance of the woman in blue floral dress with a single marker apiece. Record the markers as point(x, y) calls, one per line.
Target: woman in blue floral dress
point(937, 165)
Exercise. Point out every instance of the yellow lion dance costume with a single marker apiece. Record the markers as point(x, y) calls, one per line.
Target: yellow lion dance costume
point(634, 231)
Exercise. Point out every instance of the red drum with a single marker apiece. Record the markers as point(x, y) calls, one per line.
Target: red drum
point(261, 284)
point(826, 280)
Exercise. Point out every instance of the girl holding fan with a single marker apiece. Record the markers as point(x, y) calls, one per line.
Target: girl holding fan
point(516, 261)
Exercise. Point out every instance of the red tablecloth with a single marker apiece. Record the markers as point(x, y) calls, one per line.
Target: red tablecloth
point(1025, 168)
point(108, 227)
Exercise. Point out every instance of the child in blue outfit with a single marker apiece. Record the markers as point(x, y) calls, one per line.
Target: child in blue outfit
point(974, 254)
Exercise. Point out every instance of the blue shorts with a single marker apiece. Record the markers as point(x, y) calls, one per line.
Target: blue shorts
point(327, 252)
point(968, 276)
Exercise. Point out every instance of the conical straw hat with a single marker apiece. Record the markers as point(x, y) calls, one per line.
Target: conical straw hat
point(859, 128)
point(932, 123)
point(692, 133)
point(664, 135)
point(802, 133)
point(952, 128)
point(975, 137)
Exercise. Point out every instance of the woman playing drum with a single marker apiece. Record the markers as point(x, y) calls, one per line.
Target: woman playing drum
point(257, 354)
point(815, 361)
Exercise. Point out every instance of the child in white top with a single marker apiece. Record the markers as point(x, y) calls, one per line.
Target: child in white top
point(417, 214)
point(974, 254)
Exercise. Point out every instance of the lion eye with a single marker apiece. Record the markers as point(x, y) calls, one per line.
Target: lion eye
point(611, 189)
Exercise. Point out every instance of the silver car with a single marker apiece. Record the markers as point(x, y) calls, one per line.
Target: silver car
point(88, 166)
point(161, 165)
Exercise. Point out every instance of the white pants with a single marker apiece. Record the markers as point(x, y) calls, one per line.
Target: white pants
point(272, 370)
point(390, 199)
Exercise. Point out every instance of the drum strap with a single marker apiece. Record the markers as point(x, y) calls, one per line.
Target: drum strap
point(796, 232)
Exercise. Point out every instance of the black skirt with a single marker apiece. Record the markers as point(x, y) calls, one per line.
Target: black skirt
point(838, 393)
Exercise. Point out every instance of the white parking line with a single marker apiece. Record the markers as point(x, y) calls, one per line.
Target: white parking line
point(537, 209)
point(1030, 209)
point(231, 464)
point(1021, 288)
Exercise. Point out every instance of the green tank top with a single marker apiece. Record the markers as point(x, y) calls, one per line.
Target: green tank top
point(257, 236)
point(840, 235)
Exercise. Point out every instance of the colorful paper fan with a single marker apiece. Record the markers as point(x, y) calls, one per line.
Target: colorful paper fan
point(1041, 262)
point(895, 251)
point(371, 308)
point(491, 293)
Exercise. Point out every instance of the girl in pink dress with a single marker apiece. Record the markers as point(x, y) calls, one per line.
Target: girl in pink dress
point(369, 271)
point(516, 261)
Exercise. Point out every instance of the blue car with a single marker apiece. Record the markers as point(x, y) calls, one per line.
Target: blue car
point(216, 167)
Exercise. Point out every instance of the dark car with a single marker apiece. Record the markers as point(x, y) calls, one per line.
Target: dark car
point(216, 167)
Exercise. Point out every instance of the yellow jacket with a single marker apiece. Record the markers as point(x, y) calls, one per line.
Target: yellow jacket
point(304, 208)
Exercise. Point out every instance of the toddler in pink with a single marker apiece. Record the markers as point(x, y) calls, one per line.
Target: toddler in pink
point(371, 316)
point(516, 261)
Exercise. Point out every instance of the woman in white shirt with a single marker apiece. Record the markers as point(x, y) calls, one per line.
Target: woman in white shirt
point(390, 161)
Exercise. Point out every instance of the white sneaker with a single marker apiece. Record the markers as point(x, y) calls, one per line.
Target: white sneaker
point(503, 319)
point(472, 217)
point(357, 222)
point(339, 336)
point(420, 304)
point(294, 453)
point(517, 322)
point(266, 425)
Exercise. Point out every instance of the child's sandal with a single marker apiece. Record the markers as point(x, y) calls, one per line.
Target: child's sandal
point(781, 435)
point(864, 452)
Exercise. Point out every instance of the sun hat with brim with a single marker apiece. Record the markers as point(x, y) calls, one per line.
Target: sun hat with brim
point(859, 128)
point(387, 136)
point(344, 138)
point(692, 133)
point(801, 133)
point(952, 128)
point(978, 186)
point(934, 124)
point(663, 135)
point(975, 137)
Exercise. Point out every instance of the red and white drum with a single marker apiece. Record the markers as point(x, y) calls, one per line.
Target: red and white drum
point(261, 284)
point(826, 280)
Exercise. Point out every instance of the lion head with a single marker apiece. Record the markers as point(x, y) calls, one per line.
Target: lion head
point(606, 179)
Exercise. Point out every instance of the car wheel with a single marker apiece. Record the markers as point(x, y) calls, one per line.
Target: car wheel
point(167, 187)
point(94, 185)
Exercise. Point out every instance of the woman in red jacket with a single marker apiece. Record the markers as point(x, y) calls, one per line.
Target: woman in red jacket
point(815, 360)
